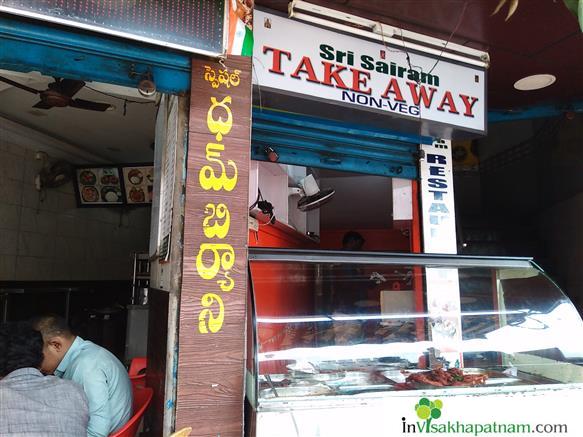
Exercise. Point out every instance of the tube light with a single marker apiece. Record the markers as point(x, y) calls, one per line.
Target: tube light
point(363, 27)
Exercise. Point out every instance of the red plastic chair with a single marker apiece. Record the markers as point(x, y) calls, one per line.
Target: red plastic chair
point(138, 366)
point(138, 381)
point(137, 372)
point(142, 398)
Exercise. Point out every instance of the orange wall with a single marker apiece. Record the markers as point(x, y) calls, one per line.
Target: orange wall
point(281, 289)
point(279, 235)
point(390, 240)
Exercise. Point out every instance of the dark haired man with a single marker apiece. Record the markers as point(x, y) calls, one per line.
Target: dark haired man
point(32, 404)
point(102, 376)
point(352, 240)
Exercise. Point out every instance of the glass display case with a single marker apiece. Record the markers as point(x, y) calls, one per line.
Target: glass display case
point(334, 329)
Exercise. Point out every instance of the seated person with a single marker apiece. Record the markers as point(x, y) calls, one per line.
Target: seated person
point(32, 404)
point(352, 241)
point(103, 377)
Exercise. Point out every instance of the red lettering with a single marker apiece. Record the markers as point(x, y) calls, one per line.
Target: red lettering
point(357, 80)
point(305, 66)
point(330, 74)
point(393, 88)
point(448, 100)
point(469, 104)
point(427, 99)
point(276, 60)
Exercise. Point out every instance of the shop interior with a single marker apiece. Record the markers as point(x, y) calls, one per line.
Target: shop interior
point(284, 221)
point(89, 264)
point(69, 248)
point(84, 263)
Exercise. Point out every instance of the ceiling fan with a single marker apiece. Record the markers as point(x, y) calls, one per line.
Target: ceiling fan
point(60, 94)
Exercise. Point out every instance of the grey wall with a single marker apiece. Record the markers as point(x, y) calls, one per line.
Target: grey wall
point(55, 240)
point(360, 202)
point(560, 223)
point(561, 230)
point(528, 196)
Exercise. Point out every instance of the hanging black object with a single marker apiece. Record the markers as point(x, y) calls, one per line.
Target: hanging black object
point(312, 196)
point(309, 203)
point(60, 94)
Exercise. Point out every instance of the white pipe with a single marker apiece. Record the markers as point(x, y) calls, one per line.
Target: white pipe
point(389, 34)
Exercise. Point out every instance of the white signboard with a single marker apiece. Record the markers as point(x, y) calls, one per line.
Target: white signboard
point(293, 57)
point(439, 236)
point(437, 202)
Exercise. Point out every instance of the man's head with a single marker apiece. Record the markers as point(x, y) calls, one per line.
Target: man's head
point(57, 337)
point(20, 346)
point(352, 241)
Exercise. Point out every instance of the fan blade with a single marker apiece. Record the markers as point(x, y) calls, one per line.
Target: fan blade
point(42, 105)
point(91, 106)
point(19, 85)
point(67, 87)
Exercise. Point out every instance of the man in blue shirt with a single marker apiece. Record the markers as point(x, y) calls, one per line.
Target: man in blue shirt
point(102, 376)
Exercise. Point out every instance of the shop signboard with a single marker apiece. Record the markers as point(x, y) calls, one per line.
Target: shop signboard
point(214, 281)
point(291, 57)
point(190, 25)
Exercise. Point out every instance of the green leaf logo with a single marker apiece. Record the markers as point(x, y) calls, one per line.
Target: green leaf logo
point(428, 410)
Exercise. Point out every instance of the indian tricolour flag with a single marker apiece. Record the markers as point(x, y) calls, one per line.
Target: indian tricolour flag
point(240, 35)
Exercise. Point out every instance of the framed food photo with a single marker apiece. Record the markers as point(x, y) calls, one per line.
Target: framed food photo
point(139, 184)
point(99, 186)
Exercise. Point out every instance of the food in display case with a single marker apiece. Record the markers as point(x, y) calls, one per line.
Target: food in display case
point(317, 347)
point(446, 378)
point(98, 186)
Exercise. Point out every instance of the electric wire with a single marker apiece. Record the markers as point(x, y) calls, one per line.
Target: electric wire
point(439, 57)
point(125, 100)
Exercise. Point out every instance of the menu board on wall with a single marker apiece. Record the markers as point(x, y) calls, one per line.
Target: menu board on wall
point(114, 185)
point(190, 25)
point(97, 186)
point(139, 184)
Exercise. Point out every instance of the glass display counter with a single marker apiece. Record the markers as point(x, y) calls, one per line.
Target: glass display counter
point(344, 333)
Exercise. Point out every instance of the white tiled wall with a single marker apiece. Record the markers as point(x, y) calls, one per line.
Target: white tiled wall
point(52, 239)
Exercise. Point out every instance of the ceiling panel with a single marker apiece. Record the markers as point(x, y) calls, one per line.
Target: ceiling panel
point(117, 136)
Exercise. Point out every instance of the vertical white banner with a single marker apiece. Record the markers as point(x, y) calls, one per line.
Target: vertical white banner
point(439, 236)
point(444, 308)
point(437, 202)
